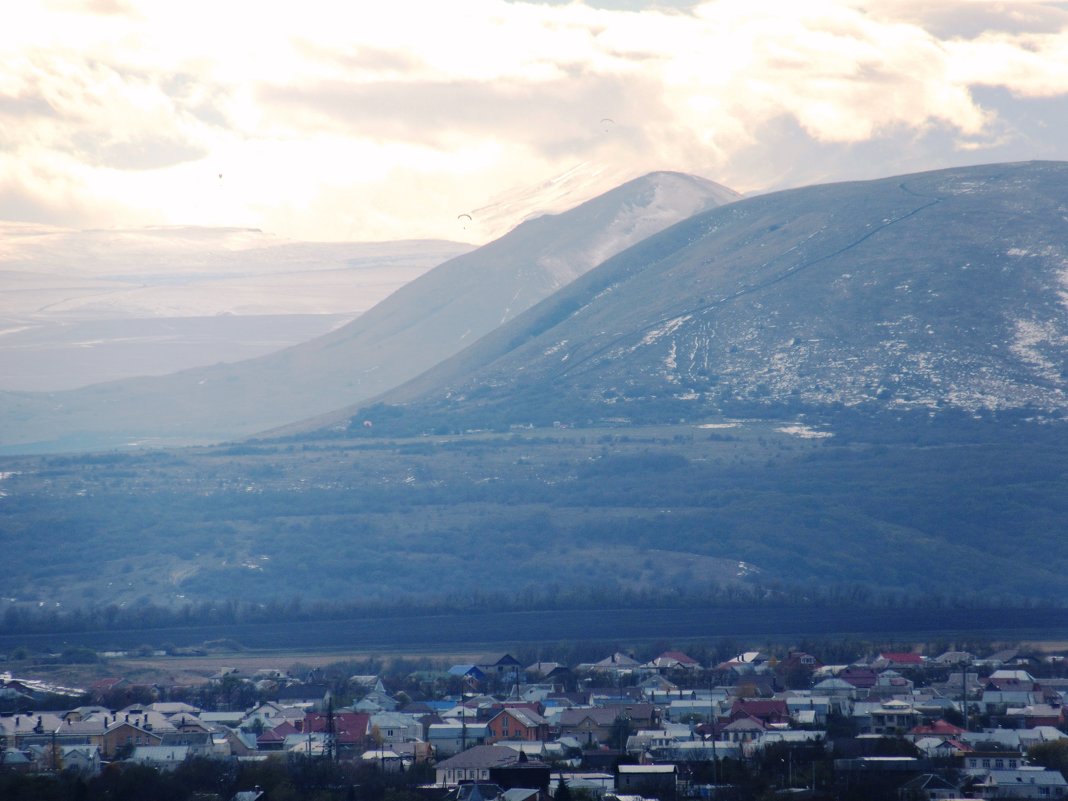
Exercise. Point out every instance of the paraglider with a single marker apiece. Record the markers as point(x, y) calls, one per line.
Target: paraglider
point(464, 219)
point(607, 123)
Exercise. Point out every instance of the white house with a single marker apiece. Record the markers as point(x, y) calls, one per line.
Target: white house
point(1025, 782)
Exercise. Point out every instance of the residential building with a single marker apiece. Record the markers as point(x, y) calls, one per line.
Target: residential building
point(1024, 782)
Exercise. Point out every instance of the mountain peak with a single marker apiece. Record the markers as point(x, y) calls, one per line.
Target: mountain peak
point(942, 290)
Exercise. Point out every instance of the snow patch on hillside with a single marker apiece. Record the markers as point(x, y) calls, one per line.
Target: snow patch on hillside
point(670, 327)
point(1029, 339)
point(804, 432)
point(665, 199)
point(674, 197)
point(549, 351)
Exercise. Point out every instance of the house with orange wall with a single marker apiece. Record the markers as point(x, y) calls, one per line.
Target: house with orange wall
point(517, 723)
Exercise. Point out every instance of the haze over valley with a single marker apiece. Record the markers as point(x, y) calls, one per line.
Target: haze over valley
point(84, 307)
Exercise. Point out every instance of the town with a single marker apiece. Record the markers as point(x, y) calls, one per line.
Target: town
point(760, 724)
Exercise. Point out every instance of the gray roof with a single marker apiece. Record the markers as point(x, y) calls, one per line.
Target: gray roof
point(1039, 776)
point(527, 717)
point(519, 794)
point(606, 715)
point(478, 791)
point(160, 753)
point(9, 756)
point(481, 756)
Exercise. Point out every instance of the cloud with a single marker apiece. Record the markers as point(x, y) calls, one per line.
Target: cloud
point(345, 121)
point(969, 19)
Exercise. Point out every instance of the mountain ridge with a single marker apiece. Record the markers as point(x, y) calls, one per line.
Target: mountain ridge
point(934, 290)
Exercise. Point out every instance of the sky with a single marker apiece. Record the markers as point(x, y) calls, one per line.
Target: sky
point(328, 121)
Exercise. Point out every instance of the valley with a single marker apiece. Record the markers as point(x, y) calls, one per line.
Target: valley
point(848, 393)
point(560, 516)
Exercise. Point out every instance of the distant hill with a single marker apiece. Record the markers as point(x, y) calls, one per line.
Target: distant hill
point(924, 293)
point(81, 307)
point(426, 321)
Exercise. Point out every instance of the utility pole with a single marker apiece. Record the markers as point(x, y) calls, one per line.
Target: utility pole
point(964, 690)
point(712, 723)
point(463, 720)
point(331, 744)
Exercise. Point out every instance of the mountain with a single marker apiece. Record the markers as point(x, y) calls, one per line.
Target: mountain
point(424, 322)
point(929, 293)
point(556, 194)
point(840, 395)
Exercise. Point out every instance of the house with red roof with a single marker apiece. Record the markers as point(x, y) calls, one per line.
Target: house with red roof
point(274, 739)
point(898, 660)
point(351, 729)
point(861, 678)
point(939, 728)
point(767, 711)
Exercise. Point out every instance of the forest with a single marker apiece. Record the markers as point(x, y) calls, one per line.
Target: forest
point(745, 513)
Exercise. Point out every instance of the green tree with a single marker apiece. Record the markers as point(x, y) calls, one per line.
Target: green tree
point(1052, 755)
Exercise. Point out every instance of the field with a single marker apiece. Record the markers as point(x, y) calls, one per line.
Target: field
point(486, 631)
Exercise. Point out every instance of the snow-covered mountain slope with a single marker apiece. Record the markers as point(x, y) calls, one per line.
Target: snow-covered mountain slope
point(556, 194)
point(923, 293)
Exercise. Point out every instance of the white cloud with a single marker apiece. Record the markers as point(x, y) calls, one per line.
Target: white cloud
point(355, 120)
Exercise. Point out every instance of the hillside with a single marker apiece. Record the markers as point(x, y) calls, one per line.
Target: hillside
point(424, 322)
point(927, 293)
point(592, 514)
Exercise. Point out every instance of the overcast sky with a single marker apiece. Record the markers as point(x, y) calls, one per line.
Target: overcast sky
point(378, 120)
